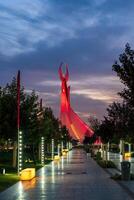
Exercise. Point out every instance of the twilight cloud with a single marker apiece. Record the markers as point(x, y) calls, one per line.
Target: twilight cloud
point(37, 35)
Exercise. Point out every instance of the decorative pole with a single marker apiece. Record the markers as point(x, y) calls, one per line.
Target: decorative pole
point(52, 149)
point(42, 151)
point(59, 150)
point(18, 125)
point(18, 100)
point(62, 146)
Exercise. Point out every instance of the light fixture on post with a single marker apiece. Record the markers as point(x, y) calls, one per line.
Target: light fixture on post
point(20, 151)
point(52, 152)
point(42, 151)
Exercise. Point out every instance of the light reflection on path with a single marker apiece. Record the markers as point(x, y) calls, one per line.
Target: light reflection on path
point(74, 177)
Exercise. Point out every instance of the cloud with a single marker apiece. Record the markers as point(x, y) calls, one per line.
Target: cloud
point(99, 2)
point(49, 83)
point(90, 95)
point(37, 35)
point(103, 88)
point(96, 94)
point(32, 26)
point(53, 23)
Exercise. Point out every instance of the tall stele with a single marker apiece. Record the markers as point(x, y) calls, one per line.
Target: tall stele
point(78, 129)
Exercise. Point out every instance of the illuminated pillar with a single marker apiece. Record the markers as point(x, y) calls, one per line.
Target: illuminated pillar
point(68, 145)
point(108, 149)
point(108, 146)
point(62, 146)
point(52, 150)
point(58, 149)
point(42, 151)
point(129, 147)
point(122, 150)
point(20, 152)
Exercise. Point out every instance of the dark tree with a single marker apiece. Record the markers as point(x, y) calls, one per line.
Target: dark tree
point(125, 71)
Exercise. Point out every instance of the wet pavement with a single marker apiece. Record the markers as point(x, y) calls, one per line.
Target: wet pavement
point(74, 177)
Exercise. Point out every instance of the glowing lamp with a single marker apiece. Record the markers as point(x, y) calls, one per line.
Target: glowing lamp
point(128, 155)
point(57, 157)
point(27, 174)
point(65, 150)
point(64, 153)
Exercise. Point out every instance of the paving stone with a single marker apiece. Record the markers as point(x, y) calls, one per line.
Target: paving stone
point(86, 181)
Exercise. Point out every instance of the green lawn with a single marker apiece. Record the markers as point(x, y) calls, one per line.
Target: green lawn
point(7, 180)
point(11, 176)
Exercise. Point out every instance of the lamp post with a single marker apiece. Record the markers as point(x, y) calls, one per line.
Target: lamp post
point(42, 151)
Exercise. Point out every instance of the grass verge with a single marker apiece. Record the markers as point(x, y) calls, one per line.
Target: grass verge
point(7, 180)
point(106, 164)
point(11, 176)
point(119, 177)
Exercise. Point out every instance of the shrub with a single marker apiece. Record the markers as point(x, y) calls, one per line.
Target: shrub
point(106, 164)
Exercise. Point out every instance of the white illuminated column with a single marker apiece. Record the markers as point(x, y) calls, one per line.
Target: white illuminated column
point(62, 146)
point(20, 152)
point(58, 149)
point(129, 148)
point(42, 151)
point(52, 149)
point(68, 145)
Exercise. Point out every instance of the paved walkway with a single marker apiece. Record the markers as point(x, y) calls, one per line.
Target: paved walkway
point(75, 177)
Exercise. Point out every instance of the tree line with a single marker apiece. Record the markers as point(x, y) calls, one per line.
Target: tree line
point(118, 124)
point(35, 121)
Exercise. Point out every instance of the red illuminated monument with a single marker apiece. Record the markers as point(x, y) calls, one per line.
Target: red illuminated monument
point(77, 128)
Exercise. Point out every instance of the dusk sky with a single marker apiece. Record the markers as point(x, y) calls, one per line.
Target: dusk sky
point(89, 35)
